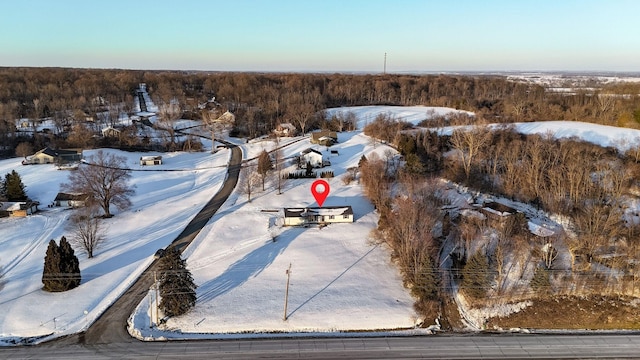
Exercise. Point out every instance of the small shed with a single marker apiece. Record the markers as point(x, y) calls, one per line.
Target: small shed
point(318, 215)
point(151, 160)
point(18, 209)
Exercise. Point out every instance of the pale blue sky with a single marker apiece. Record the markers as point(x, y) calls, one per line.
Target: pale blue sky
point(323, 35)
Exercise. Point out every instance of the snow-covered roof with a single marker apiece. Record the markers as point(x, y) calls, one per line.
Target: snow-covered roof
point(321, 211)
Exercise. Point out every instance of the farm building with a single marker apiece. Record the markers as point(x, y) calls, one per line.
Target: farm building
point(18, 209)
point(70, 200)
point(318, 215)
point(151, 160)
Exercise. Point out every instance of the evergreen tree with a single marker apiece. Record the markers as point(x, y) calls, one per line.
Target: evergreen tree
point(13, 188)
point(61, 267)
point(69, 265)
point(476, 276)
point(177, 289)
point(540, 282)
point(308, 170)
point(52, 271)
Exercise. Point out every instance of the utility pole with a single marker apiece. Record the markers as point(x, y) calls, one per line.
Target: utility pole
point(286, 293)
point(155, 282)
point(150, 311)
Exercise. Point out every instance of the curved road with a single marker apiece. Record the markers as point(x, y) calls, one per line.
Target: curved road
point(110, 327)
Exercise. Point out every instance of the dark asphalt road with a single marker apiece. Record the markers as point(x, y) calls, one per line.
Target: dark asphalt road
point(110, 327)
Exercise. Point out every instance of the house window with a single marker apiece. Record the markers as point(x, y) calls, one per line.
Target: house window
point(345, 216)
point(331, 217)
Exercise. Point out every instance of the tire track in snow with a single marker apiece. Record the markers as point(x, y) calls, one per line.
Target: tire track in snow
point(43, 237)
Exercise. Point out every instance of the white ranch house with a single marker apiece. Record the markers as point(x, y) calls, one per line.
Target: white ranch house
point(317, 215)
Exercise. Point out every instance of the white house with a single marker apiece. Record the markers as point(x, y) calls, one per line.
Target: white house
point(318, 215)
point(151, 160)
point(70, 200)
point(311, 156)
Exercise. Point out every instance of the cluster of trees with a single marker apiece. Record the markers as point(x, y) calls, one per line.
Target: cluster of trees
point(261, 101)
point(61, 267)
point(583, 182)
point(12, 188)
point(269, 167)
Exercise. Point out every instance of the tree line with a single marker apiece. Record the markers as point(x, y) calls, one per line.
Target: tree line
point(581, 182)
point(263, 100)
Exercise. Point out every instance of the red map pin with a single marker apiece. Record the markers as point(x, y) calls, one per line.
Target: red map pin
point(320, 191)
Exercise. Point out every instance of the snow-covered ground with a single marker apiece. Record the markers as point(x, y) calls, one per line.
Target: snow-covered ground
point(164, 203)
point(410, 114)
point(339, 279)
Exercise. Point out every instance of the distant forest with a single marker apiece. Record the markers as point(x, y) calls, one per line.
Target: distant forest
point(260, 101)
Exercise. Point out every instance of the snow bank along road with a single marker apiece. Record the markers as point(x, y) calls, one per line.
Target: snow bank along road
point(111, 325)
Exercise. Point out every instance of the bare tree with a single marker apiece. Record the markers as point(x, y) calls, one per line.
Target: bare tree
point(278, 158)
point(169, 113)
point(106, 181)
point(264, 166)
point(249, 179)
point(596, 225)
point(87, 229)
point(24, 149)
point(469, 143)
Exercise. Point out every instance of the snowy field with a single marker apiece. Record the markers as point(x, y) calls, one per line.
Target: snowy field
point(165, 201)
point(340, 280)
point(410, 114)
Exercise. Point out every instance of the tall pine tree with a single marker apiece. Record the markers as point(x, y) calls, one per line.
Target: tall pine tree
point(177, 289)
point(51, 273)
point(69, 265)
point(476, 276)
point(13, 188)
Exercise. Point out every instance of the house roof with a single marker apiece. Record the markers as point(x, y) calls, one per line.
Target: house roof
point(17, 205)
point(310, 150)
point(324, 133)
point(289, 126)
point(71, 197)
point(313, 211)
point(55, 153)
point(149, 158)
